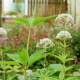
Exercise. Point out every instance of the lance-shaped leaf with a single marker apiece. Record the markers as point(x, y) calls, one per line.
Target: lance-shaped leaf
point(21, 20)
point(37, 56)
point(71, 78)
point(36, 21)
point(24, 57)
point(9, 62)
point(69, 59)
point(15, 57)
point(42, 19)
point(10, 77)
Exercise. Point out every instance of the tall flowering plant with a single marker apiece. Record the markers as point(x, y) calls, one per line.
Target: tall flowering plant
point(64, 21)
point(45, 43)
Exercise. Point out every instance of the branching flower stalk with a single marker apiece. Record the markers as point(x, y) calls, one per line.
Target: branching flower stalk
point(29, 37)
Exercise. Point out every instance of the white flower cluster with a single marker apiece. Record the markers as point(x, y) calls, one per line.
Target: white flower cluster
point(61, 34)
point(45, 43)
point(3, 32)
point(64, 20)
point(29, 72)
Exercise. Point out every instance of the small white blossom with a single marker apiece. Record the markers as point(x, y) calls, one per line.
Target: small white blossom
point(45, 43)
point(63, 34)
point(64, 20)
point(3, 32)
point(29, 72)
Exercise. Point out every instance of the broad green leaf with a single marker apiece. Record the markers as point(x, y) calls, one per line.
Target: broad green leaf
point(37, 56)
point(9, 62)
point(15, 57)
point(42, 19)
point(24, 57)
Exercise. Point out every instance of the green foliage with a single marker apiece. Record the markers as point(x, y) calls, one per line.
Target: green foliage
point(9, 62)
point(15, 57)
point(47, 75)
point(10, 77)
point(24, 56)
point(62, 58)
point(35, 21)
point(37, 56)
point(58, 67)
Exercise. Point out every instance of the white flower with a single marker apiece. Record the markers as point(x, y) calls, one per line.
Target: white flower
point(45, 43)
point(64, 20)
point(3, 32)
point(61, 34)
point(29, 72)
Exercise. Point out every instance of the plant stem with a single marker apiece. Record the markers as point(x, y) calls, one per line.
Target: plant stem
point(64, 56)
point(44, 64)
point(25, 68)
point(29, 36)
point(31, 26)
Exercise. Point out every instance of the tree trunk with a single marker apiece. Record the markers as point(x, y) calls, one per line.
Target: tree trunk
point(0, 13)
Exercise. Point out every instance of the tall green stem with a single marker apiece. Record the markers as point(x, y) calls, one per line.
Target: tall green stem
point(31, 26)
point(64, 56)
point(29, 36)
point(25, 72)
point(44, 64)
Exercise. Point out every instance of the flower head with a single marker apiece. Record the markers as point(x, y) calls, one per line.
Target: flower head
point(29, 72)
point(45, 43)
point(3, 32)
point(64, 20)
point(61, 34)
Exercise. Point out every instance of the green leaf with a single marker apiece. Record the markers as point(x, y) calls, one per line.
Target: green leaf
point(51, 78)
point(69, 59)
point(37, 56)
point(61, 76)
point(69, 68)
point(24, 57)
point(9, 62)
point(10, 77)
point(29, 20)
point(71, 78)
point(57, 67)
point(42, 19)
point(60, 57)
point(15, 57)
point(22, 20)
